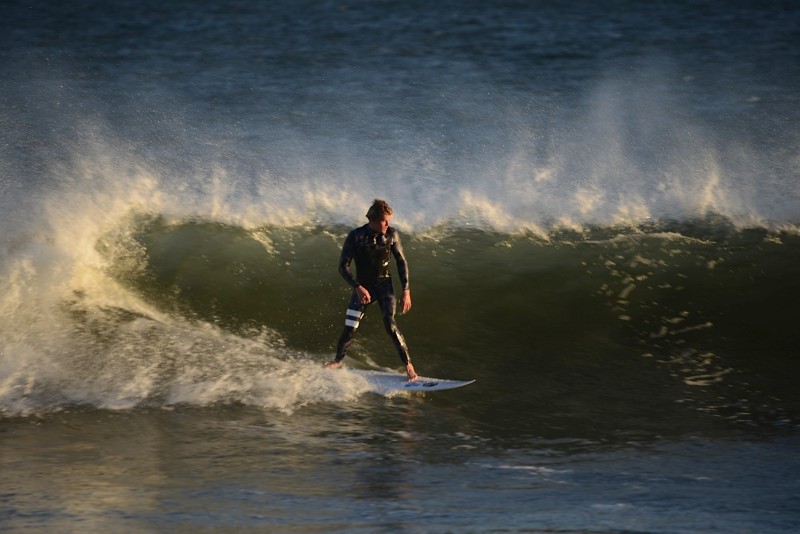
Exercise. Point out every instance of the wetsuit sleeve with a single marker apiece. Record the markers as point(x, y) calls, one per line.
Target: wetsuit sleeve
point(348, 253)
point(400, 258)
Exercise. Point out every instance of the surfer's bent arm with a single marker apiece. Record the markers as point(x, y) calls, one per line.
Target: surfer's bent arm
point(348, 253)
point(402, 269)
point(400, 258)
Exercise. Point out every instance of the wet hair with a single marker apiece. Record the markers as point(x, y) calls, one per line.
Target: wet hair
point(378, 210)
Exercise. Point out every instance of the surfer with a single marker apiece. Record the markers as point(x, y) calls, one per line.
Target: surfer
point(371, 246)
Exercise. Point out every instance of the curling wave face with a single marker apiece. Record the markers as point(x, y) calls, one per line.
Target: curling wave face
point(158, 311)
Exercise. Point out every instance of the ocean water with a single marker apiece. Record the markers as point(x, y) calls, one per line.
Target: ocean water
point(600, 205)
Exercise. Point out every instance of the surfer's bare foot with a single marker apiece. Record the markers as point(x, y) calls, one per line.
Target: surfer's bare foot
point(412, 374)
point(333, 365)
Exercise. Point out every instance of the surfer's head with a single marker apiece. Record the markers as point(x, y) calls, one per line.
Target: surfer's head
point(378, 210)
point(379, 215)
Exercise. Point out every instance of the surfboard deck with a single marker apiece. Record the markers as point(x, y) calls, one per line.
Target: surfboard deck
point(384, 382)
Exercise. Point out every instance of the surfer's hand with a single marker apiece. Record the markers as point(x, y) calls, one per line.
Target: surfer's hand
point(363, 295)
point(405, 301)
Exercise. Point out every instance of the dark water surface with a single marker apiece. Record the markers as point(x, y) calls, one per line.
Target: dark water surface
point(406, 464)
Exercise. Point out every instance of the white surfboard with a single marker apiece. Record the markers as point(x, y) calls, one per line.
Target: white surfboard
point(383, 382)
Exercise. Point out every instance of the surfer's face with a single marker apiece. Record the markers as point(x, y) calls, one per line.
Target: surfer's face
point(380, 225)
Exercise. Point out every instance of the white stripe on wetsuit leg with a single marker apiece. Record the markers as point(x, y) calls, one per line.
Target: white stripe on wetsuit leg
point(357, 318)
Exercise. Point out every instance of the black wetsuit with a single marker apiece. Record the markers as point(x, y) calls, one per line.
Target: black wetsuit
point(372, 252)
